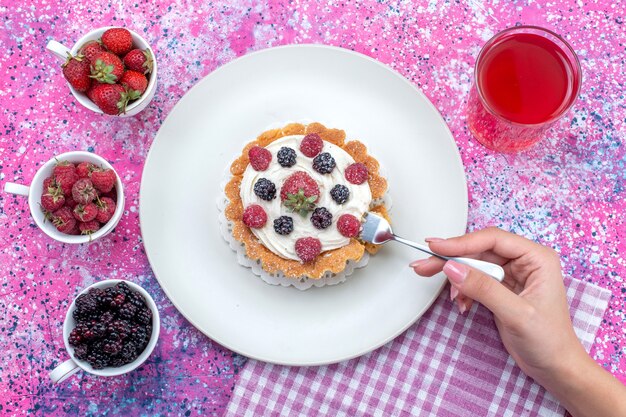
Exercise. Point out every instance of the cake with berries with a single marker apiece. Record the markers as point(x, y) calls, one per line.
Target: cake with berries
point(297, 197)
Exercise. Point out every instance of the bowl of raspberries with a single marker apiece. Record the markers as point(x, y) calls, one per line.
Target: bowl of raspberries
point(110, 70)
point(76, 197)
point(110, 328)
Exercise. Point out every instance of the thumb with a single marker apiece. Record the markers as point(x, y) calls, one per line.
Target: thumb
point(504, 303)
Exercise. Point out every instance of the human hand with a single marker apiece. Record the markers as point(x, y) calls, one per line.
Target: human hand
point(529, 306)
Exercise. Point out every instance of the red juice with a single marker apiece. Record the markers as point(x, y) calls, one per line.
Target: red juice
point(526, 78)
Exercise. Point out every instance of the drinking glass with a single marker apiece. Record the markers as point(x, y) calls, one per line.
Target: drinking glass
point(525, 79)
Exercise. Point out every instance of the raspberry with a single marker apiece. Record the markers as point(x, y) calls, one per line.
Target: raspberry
point(88, 228)
point(321, 218)
point(66, 179)
point(69, 201)
point(286, 157)
point(64, 220)
point(297, 181)
point(307, 248)
point(85, 212)
point(83, 191)
point(348, 225)
point(52, 199)
point(260, 158)
point(84, 169)
point(265, 189)
point(254, 216)
point(356, 173)
point(49, 182)
point(283, 225)
point(64, 168)
point(311, 145)
point(103, 179)
point(340, 193)
point(324, 163)
point(106, 209)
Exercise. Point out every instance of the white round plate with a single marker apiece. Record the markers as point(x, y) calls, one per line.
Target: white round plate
point(209, 127)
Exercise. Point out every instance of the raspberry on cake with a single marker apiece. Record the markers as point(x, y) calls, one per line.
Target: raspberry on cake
point(325, 189)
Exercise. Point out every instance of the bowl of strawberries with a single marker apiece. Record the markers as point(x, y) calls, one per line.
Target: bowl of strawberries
point(76, 197)
point(110, 70)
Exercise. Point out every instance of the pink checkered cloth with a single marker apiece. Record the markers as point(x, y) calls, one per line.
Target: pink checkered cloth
point(445, 365)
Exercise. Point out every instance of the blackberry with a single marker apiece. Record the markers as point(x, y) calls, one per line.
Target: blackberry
point(118, 300)
point(112, 347)
point(123, 287)
point(144, 316)
point(265, 189)
point(283, 225)
point(98, 330)
point(324, 163)
point(82, 315)
point(96, 356)
point(286, 157)
point(321, 218)
point(140, 335)
point(119, 328)
point(127, 311)
point(75, 337)
point(87, 303)
point(129, 352)
point(340, 193)
point(136, 300)
point(107, 317)
point(81, 351)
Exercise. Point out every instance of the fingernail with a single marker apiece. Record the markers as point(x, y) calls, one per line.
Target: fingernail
point(453, 292)
point(433, 239)
point(456, 272)
point(461, 305)
point(417, 263)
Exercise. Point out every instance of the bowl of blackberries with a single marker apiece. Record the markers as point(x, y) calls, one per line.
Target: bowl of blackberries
point(111, 328)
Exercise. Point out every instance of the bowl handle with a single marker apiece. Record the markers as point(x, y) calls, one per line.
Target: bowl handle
point(57, 49)
point(19, 189)
point(63, 371)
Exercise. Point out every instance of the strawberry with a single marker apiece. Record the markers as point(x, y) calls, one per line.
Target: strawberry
point(52, 199)
point(356, 173)
point(140, 61)
point(254, 216)
point(64, 220)
point(348, 225)
point(85, 212)
point(106, 209)
point(260, 158)
point(311, 145)
point(297, 181)
point(84, 169)
point(89, 92)
point(307, 248)
point(117, 40)
point(90, 49)
point(107, 68)
point(77, 72)
point(83, 191)
point(103, 179)
point(88, 228)
point(134, 80)
point(65, 176)
point(112, 98)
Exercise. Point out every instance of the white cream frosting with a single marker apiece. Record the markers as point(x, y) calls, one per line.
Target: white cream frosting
point(284, 246)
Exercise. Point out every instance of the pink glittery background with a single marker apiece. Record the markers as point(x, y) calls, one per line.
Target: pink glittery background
point(567, 192)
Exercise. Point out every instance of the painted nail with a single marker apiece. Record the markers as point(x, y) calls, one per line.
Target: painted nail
point(461, 305)
point(453, 292)
point(418, 263)
point(434, 239)
point(456, 272)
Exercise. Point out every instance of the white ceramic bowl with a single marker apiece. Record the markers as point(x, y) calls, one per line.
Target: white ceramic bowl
point(73, 365)
point(35, 190)
point(60, 51)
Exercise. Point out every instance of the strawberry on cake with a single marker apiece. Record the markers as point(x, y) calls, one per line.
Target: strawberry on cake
point(297, 197)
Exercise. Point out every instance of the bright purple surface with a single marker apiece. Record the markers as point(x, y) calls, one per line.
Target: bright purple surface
point(567, 192)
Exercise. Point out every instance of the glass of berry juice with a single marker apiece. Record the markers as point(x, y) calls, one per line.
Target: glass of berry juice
point(525, 79)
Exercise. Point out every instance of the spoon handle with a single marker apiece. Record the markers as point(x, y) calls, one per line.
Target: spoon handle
point(491, 269)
